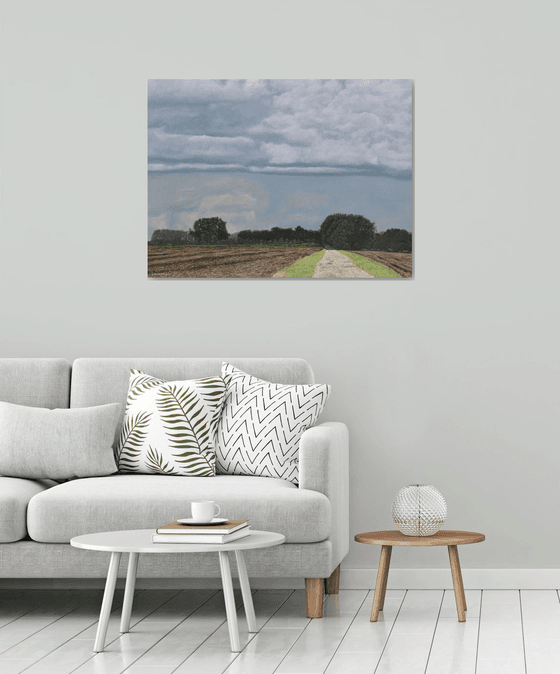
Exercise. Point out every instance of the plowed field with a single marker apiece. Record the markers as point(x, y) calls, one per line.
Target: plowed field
point(222, 262)
point(399, 262)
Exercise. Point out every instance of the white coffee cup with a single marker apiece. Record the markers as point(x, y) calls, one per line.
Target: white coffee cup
point(204, 511)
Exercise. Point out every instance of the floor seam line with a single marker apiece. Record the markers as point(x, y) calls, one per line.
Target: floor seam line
point(80, 632)
point(434, 634)
point(390, 632)
point(167, 633)
point(237, 607)
point(346, 632)
point(309, 621)
point(522, 633)
point(275, 612)
point(43, 628)
point(478, 631)
point(35, 662)
point(257, 633)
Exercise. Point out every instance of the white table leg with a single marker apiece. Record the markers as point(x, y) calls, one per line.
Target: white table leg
point(107, 602)
point(231, 613)
point(246, 591)
point(129, 592)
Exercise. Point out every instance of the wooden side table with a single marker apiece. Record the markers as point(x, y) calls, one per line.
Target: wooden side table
point(388, 539)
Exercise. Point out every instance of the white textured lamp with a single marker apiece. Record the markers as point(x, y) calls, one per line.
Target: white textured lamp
point(419, 510)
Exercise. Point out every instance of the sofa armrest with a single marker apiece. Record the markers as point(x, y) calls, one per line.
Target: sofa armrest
point(324, 467)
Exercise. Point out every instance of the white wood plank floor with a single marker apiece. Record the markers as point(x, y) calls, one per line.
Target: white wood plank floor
point(184, 632)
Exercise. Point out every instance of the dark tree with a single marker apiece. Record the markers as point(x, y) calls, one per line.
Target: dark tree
point(300, 233)
point(347, 231)
point(245, 236)
point(171, 237)
point(210, 230)
point(279, 235)
point(394, 240)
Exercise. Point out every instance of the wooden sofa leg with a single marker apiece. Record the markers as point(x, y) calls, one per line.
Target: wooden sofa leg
point(333, 581)
point(314, 595)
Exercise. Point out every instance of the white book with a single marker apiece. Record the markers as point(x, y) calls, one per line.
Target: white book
point(201, 538)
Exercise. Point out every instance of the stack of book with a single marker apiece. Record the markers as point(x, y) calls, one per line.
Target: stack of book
point(175, 532)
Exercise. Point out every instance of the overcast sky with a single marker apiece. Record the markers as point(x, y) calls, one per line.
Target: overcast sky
point(263, 153)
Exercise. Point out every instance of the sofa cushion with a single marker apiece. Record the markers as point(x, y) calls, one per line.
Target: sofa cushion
point(262, 423)
point(97, 381)
point(39, 443)
point(169, 427)
point(133, 501)
point(35, 382)
point(15, 494)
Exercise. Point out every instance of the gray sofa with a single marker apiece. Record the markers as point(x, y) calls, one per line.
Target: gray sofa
point(39, 517)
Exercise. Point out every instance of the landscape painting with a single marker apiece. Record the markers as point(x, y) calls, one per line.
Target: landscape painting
point(280, 179)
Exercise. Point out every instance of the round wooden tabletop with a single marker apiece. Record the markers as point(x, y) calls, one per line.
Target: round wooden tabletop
point(441, 538)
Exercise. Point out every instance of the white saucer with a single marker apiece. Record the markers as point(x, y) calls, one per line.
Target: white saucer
point(214, 522)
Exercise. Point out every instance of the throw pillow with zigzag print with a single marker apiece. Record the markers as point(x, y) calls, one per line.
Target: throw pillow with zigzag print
point(262, 423)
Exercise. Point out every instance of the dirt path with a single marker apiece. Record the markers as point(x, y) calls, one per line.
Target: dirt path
point(337, 265)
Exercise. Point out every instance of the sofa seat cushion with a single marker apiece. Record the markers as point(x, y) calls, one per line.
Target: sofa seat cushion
point(119, 502)
point(15, 494)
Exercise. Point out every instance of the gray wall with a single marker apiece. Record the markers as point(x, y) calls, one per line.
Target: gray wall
point(450, 379)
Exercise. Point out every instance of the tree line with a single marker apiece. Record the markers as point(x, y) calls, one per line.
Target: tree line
point(341, 231)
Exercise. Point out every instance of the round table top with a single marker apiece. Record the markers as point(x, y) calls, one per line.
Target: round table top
point(441, 538)
point(140, 540)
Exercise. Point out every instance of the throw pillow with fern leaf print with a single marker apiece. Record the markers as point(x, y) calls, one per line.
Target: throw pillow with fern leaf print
point(169, 427)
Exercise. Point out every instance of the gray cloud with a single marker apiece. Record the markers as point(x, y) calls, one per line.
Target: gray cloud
point(306, 200)
point(284, 126)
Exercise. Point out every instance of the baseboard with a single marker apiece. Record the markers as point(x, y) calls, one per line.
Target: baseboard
point(350, 579)
point(440, 579)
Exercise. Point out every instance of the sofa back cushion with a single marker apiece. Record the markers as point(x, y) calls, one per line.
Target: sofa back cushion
point(35, 382)
point(98, 381)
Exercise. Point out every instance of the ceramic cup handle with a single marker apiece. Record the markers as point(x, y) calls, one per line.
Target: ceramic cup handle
point(218, 511)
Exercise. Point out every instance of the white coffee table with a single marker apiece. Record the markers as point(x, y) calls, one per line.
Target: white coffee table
point(140, 541)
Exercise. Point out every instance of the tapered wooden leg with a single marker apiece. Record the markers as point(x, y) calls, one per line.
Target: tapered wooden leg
point(314, 596)
point(385, 578)
point(381, 582)
point(333, 581)
point(460, 600)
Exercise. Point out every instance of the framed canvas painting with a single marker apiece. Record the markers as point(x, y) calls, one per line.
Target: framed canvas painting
point(280, 179)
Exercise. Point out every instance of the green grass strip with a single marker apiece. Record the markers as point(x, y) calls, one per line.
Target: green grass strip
point(303, 268)
point(374, 268)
